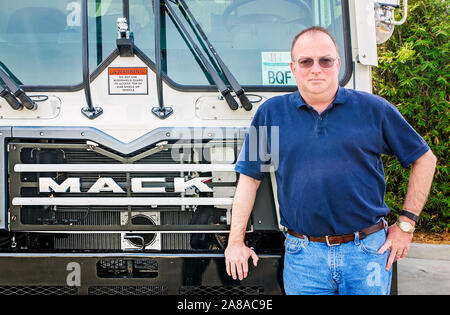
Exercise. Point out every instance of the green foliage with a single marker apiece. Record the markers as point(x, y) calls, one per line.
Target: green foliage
point(413, 74)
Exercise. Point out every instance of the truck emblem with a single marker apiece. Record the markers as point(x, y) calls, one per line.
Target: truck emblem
point(107, 184)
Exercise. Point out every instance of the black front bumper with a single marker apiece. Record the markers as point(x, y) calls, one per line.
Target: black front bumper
point(134, 274)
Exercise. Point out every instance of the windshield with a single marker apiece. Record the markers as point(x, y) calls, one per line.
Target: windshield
point(40, 40)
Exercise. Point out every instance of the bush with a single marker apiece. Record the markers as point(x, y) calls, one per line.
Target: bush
point(413, 74)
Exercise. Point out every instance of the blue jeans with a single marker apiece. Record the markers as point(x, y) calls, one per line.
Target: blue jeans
point(345, 269)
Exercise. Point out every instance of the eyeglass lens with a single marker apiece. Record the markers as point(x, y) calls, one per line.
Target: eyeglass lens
point(324, 62)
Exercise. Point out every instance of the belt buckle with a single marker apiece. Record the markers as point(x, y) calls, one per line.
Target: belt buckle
point(328, 242)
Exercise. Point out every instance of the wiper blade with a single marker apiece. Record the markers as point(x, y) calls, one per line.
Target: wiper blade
point(223, 89)
point(10, 74)
point(226, 72)
point(10, 99)
point(194, 54)
point(13, 91)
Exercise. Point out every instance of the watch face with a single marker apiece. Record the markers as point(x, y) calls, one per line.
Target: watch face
point(406, 227)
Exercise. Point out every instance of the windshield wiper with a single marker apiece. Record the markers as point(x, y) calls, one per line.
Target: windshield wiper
point(90, 111)
point(223, 89)
point(10, 99)
point(14, 94)
point(237, 88)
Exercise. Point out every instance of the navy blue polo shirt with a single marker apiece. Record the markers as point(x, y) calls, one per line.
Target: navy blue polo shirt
point(328, 167)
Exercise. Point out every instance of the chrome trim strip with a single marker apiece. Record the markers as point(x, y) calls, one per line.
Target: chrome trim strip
point(125, 201)
point(89, 168)
point(136, 232)
point(118, 255)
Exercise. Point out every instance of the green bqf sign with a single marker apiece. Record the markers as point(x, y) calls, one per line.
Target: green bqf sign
point(276, 69)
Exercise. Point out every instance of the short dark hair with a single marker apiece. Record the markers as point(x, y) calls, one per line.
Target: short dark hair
point(314, 29)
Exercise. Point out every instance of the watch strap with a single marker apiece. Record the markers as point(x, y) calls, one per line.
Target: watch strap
point(410, 215)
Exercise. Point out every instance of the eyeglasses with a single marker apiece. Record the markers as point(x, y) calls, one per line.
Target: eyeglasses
point(324, 62)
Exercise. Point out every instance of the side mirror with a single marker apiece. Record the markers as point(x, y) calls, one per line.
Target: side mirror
point(384, 18)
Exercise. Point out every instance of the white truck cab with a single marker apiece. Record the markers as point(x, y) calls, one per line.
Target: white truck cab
point(121, 121)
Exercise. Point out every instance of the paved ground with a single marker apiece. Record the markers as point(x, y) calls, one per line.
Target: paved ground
point(425, 271)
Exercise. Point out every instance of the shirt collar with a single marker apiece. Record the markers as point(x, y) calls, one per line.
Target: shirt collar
point(298, 101)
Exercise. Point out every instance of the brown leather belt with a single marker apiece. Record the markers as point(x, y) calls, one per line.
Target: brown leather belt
point(339, 239)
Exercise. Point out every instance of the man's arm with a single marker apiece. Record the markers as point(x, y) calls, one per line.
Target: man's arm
point(237, 253)
point(420, 181)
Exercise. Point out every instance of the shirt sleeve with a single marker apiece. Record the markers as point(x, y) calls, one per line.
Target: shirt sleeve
point(400, 139)
point(254, 158)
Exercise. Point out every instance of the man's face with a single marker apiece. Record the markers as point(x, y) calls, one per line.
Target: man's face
point(316, 81)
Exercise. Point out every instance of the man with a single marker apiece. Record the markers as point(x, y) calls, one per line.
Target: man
point(330, 179)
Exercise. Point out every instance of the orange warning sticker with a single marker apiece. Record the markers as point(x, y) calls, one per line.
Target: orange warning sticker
point(127, 71)
point(124, 80)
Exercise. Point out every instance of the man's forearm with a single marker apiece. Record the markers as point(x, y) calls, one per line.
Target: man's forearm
point(243, 202)
point(420, 181)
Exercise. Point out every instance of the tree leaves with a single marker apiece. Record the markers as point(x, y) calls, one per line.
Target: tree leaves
point(413, 74)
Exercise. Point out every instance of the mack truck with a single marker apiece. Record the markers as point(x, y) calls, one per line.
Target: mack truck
point(121, 122)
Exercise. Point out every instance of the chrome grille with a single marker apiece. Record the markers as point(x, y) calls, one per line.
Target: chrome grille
point(101, 227)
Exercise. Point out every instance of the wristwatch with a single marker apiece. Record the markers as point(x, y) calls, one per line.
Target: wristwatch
point(410, 215)
point(405, 226)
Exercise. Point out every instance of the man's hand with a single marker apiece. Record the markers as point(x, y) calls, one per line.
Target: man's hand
point(236, 260)
point(399, 242)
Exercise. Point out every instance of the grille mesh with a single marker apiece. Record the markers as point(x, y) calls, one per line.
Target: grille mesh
point(38, 290)
point(88, 241)
point(221, 290)
point(121, 268)
point(128, 290)
point(112, 241)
